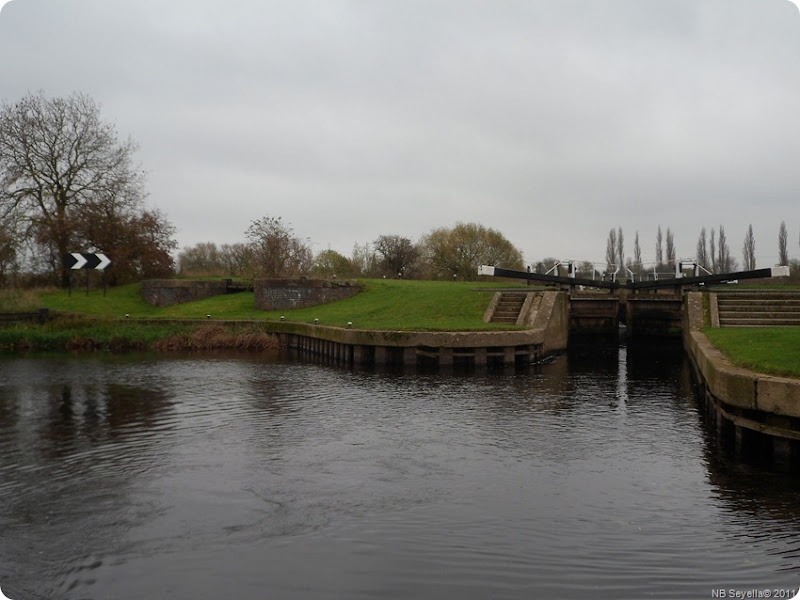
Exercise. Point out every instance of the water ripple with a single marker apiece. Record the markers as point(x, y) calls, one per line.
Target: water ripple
point(230, 477)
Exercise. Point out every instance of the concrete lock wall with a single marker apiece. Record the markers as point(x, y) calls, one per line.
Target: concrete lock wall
point(168, 292)
point(763, 411)
point(547, 334)
point(279, 294)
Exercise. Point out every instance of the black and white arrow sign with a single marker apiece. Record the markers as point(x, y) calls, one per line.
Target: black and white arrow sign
point(78, 260)
point(74, 260)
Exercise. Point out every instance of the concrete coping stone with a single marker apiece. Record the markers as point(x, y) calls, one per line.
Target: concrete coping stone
point(742, 387)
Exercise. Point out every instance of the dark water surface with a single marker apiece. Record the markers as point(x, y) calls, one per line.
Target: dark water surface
point(238, 477)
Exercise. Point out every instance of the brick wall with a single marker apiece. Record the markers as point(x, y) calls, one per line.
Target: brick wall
point(167, 292)
point(279, 294)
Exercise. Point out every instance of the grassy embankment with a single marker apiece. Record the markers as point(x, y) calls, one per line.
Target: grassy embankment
point(97, 321)
point(771, 350)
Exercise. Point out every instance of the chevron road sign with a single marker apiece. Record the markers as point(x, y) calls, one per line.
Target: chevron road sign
point(78, 260)
point(75, 261)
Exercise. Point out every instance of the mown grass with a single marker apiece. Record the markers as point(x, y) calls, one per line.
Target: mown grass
point(384, 304)
point(116, 303)
point(405, 305)
point(771, 350)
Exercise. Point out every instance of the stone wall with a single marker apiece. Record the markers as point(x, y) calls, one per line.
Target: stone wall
point(280, 294)
point(167, 292)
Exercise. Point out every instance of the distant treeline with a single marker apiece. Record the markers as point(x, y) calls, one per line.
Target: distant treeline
point(712, 252)
point(272, 249)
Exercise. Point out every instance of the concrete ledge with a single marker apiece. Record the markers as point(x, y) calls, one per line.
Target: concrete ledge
point(549, 329)
point(530, 308)
point(773, 396)
point(731, 384)
point(552, 319)
point(778, 395)
point(693, 315)
point(487, 315)
point(714, 309)
point(435, 339)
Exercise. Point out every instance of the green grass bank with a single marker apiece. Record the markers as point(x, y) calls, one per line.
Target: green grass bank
point(97, 321)
point(92, 334)
point(769, 350)
point(114, 321)
point(383, 304)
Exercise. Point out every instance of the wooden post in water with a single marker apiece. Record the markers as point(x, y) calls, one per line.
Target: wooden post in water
point(380, 355)
point(480, 358)
point(409, 356)
point(445, 357)
point(358, 355)
point(509, 355)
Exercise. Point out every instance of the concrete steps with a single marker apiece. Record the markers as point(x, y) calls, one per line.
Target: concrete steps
point(759, 309)
point(508, 308)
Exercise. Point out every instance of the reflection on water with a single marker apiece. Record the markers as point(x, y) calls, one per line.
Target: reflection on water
point(236, 477)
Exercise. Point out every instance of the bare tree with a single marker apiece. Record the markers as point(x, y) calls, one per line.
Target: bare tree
point(544, 265)
point(637, 254)
point(586, 268)
point(58, 159)
point(237, 260)
point(725, 261)
point(277, 251)
point(364, 260)
point(201, 259)
point(712, 250)
point(749, 250)
point(783, 239)
point(702, 249)
point(8, 256)
point(141, 243)
point(659, 249)
point(611, 251)
point(670, 248)
point(398, 255)
point(620, 248)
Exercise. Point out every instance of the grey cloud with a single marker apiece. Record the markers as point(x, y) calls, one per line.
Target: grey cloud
point(552, 121)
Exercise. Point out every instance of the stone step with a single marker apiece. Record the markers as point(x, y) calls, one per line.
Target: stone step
point(510, 305)
point(759, 322)
point(511, 302)
point(515, 299)
point(758, 296)
point(506, 315)
point(757, 314)
point(508, 308)
point(509, 320)
point(770, 301)
point(769, 310)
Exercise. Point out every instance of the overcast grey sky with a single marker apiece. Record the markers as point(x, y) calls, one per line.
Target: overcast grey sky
point(552, 121)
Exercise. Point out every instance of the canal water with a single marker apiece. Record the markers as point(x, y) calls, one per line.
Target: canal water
point(243, 477)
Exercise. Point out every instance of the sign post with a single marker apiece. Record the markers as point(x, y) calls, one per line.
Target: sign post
point(97, 261)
